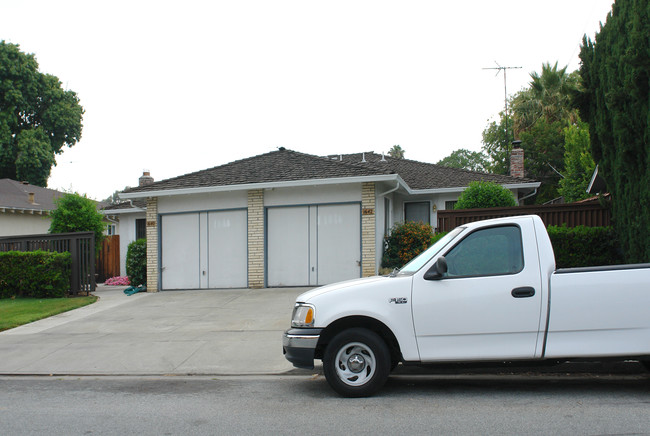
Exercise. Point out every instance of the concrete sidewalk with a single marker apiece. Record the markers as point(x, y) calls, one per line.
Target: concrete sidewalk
point(206, 332)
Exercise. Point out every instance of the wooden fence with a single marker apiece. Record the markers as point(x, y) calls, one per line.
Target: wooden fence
point(108, 262)
point(80, 245)
point(590, 214)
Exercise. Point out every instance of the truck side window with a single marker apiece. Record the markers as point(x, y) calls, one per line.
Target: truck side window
point(487, 252)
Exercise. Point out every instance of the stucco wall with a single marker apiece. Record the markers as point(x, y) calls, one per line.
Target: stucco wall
point(15, 224)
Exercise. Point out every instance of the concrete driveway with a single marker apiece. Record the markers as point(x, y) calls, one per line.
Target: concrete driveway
point(207, 332)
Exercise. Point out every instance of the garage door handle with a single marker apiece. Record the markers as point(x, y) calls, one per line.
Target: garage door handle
point(523, 292)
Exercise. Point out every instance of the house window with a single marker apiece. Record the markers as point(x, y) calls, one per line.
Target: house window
point(140, 228)
point(449, 205)
point(386, 216)
point(110, 229)
point(417, 211)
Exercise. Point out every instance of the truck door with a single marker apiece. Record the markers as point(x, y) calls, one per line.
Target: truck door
point(487, 306)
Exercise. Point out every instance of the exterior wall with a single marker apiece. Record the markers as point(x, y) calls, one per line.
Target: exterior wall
point(126, 230)
point(202, 202)
point(16, 224)
point(152, 244)
point(312, 195)
point(256, 238)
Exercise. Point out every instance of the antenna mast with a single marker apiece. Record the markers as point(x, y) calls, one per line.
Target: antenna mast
point(499, 68)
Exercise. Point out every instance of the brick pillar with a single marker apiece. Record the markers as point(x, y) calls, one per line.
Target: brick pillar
point(517, 162)
point(256, 238)
point(368, 226)
point(152, 244)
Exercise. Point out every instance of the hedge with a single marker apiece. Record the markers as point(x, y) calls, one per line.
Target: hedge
point(573, 246)
point(34, 274)
point(584, 246)
point(136, 262)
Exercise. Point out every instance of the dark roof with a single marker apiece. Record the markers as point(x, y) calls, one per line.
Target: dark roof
point(15, 195)
point(277, 166)
point(287, 165)
point(422, 175)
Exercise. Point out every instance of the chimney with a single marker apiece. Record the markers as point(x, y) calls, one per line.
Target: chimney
point(517, 160)
point(146, 179)
point(30, 196)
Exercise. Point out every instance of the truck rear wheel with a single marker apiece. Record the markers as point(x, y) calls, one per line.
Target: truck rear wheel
point(356, 362)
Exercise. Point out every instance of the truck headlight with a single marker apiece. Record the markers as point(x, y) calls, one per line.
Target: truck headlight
point(303, 315)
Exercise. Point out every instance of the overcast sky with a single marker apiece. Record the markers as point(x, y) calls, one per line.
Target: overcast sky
point(179, 86)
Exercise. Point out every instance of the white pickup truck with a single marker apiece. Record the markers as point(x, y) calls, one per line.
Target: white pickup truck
point(486, 292)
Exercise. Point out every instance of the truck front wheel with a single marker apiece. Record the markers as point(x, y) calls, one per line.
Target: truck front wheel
point(356, 362)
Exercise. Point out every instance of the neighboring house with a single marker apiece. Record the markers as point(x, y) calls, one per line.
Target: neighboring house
point(290, 219)
point(25, 208)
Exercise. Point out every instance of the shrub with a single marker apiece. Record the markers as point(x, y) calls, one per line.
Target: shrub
point(34, 274)
point(136, 262)
point(406, 240)
point(485, 194)
point(584, 246)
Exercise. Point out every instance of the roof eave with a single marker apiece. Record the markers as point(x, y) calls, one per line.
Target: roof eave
point(267, 185)
point(455, 189)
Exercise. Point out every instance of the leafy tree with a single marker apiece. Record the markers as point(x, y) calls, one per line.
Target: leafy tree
point(136, 262)
point(37, 117)
point(396, 152)
point(481, 194)
point(497, 145)
point(616, 103)
point(578, 163)
point(76, 213)
point(540, 115)
point(467, 160)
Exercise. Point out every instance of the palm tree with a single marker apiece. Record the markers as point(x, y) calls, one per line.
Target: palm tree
point(549, 96)
point(396, 152)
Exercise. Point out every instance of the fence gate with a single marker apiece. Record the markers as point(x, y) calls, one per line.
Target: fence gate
point(80, 245)
point(108, 262)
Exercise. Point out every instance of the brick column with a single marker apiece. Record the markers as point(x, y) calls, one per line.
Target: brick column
point(256, 238)
point(152, 244)
point(368, 230)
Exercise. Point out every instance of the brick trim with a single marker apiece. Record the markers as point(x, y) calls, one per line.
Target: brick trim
point(152, 244)
point(368, 230)
point(256, 238)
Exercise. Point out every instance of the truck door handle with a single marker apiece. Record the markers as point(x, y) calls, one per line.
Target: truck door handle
point(523, 292)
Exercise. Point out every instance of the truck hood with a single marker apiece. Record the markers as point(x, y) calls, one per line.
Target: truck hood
point(306, 296)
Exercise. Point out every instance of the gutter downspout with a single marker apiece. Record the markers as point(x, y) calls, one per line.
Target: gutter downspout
point(527, 196)
point(389, 191)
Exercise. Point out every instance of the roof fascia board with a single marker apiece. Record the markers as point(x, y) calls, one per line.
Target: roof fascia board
point(528, 185)
point(269, 185)
point(122, 211)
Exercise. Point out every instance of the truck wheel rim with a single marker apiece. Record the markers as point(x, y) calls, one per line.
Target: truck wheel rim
point(355, 364)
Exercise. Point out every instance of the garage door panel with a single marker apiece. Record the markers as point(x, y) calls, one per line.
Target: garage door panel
point(288, 246)
point(180, 251)
point(228, 252)
point(339, 242)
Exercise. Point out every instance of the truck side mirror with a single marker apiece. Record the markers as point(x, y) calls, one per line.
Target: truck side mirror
point(438, 270)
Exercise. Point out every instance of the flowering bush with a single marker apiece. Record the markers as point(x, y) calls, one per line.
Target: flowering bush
point(406, 240)
point(118, 281)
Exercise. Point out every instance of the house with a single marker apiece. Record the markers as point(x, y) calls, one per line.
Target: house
point(25, 208)
point(286, 218)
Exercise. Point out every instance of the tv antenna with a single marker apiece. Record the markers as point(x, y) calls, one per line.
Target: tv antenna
point(499, 68)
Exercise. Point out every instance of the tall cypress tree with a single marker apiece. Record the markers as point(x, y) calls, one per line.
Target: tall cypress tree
point(616, 76)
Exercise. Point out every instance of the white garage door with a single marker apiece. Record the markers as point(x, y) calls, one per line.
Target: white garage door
point(180, 251)
point(204, 250)
point(313, 245)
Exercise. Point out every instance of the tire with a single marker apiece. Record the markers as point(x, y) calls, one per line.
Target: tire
point(356, 363)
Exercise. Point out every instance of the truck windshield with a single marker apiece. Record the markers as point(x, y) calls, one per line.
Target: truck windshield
point(419, 261)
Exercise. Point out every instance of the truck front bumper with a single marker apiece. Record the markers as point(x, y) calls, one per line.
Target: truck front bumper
point(299, 346)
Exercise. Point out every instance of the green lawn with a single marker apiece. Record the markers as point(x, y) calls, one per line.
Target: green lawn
point(25, 310)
